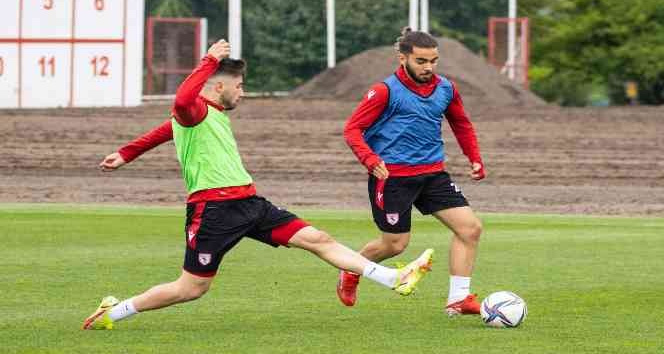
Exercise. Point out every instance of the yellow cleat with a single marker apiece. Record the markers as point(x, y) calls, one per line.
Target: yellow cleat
point(100, 319)
point(413, 272)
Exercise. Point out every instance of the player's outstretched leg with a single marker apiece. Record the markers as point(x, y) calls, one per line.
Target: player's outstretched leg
point(402, 280)
point(187, 287)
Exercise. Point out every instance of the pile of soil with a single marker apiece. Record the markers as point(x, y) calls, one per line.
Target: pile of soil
point(478, 82)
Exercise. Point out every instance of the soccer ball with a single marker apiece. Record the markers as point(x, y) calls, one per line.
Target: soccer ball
point(503, 309)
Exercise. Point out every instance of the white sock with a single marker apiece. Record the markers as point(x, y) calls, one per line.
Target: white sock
point(122, 310)
point(459, 288)
point(378, 273)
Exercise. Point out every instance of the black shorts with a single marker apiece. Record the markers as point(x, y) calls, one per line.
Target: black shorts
point(392, 199)
point(214, 228)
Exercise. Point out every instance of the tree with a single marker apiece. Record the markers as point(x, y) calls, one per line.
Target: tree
point(284, 41)
point(581, 45)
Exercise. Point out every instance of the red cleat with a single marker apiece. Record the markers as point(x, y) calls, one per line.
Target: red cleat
point(467, 306)
point(347, 287)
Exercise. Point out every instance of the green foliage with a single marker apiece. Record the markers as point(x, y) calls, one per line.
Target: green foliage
point(592, 285)
point(591, 43)
point(169, 8)
point(469, 17)
point(465, 21)
point(583, 46)
point(284, 41)
point(363, 25)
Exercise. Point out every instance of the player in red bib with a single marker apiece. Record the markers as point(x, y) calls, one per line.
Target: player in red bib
point(395, 132)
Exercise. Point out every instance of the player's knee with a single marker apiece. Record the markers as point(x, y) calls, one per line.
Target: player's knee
point(396, 247)
point(320, 242)
point(194, 292)
point(312, 240)
point(320, 238)
point(471, 233)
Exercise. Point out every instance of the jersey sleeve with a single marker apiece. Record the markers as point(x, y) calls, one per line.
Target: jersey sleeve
point(189, 108)
point(463, 128)
point(148, 141)
point(367, 112)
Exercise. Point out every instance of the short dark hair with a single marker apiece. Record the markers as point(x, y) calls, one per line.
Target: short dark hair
point(232, 67)
point(410, 39)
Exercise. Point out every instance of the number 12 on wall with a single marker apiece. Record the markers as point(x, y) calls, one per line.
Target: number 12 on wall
point(100, 66)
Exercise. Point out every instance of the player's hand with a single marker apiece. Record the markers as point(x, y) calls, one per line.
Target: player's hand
point(380, 171)
point(112, 162)
point(477, 171)
point(220, 50)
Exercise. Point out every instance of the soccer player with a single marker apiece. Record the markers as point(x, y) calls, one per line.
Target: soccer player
point(222, 206)
point(395, 132)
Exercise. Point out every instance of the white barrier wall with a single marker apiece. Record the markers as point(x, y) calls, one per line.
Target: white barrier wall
point(71, 53)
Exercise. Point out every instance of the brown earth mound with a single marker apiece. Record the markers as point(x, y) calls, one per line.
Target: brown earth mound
point(478, 82)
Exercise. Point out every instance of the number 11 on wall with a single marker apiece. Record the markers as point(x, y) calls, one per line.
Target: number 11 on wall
point(45, 63)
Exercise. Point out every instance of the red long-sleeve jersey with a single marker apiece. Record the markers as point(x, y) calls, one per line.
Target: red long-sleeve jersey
point(155, 137)
point(189, 109)
point(374, 103)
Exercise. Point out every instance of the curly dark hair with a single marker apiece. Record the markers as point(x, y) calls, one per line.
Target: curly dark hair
point(410, 39)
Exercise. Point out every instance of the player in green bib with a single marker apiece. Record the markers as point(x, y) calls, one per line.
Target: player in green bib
point(222, 205)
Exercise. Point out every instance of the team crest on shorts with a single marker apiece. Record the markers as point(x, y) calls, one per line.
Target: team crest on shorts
point(392, 218)
point(204, 258)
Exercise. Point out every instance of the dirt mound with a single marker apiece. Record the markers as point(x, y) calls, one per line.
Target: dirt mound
point(478, 82)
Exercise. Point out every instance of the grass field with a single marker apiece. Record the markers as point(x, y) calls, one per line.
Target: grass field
point(592, 284)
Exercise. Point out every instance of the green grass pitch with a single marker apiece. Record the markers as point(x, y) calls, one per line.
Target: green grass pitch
point(592, 285)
